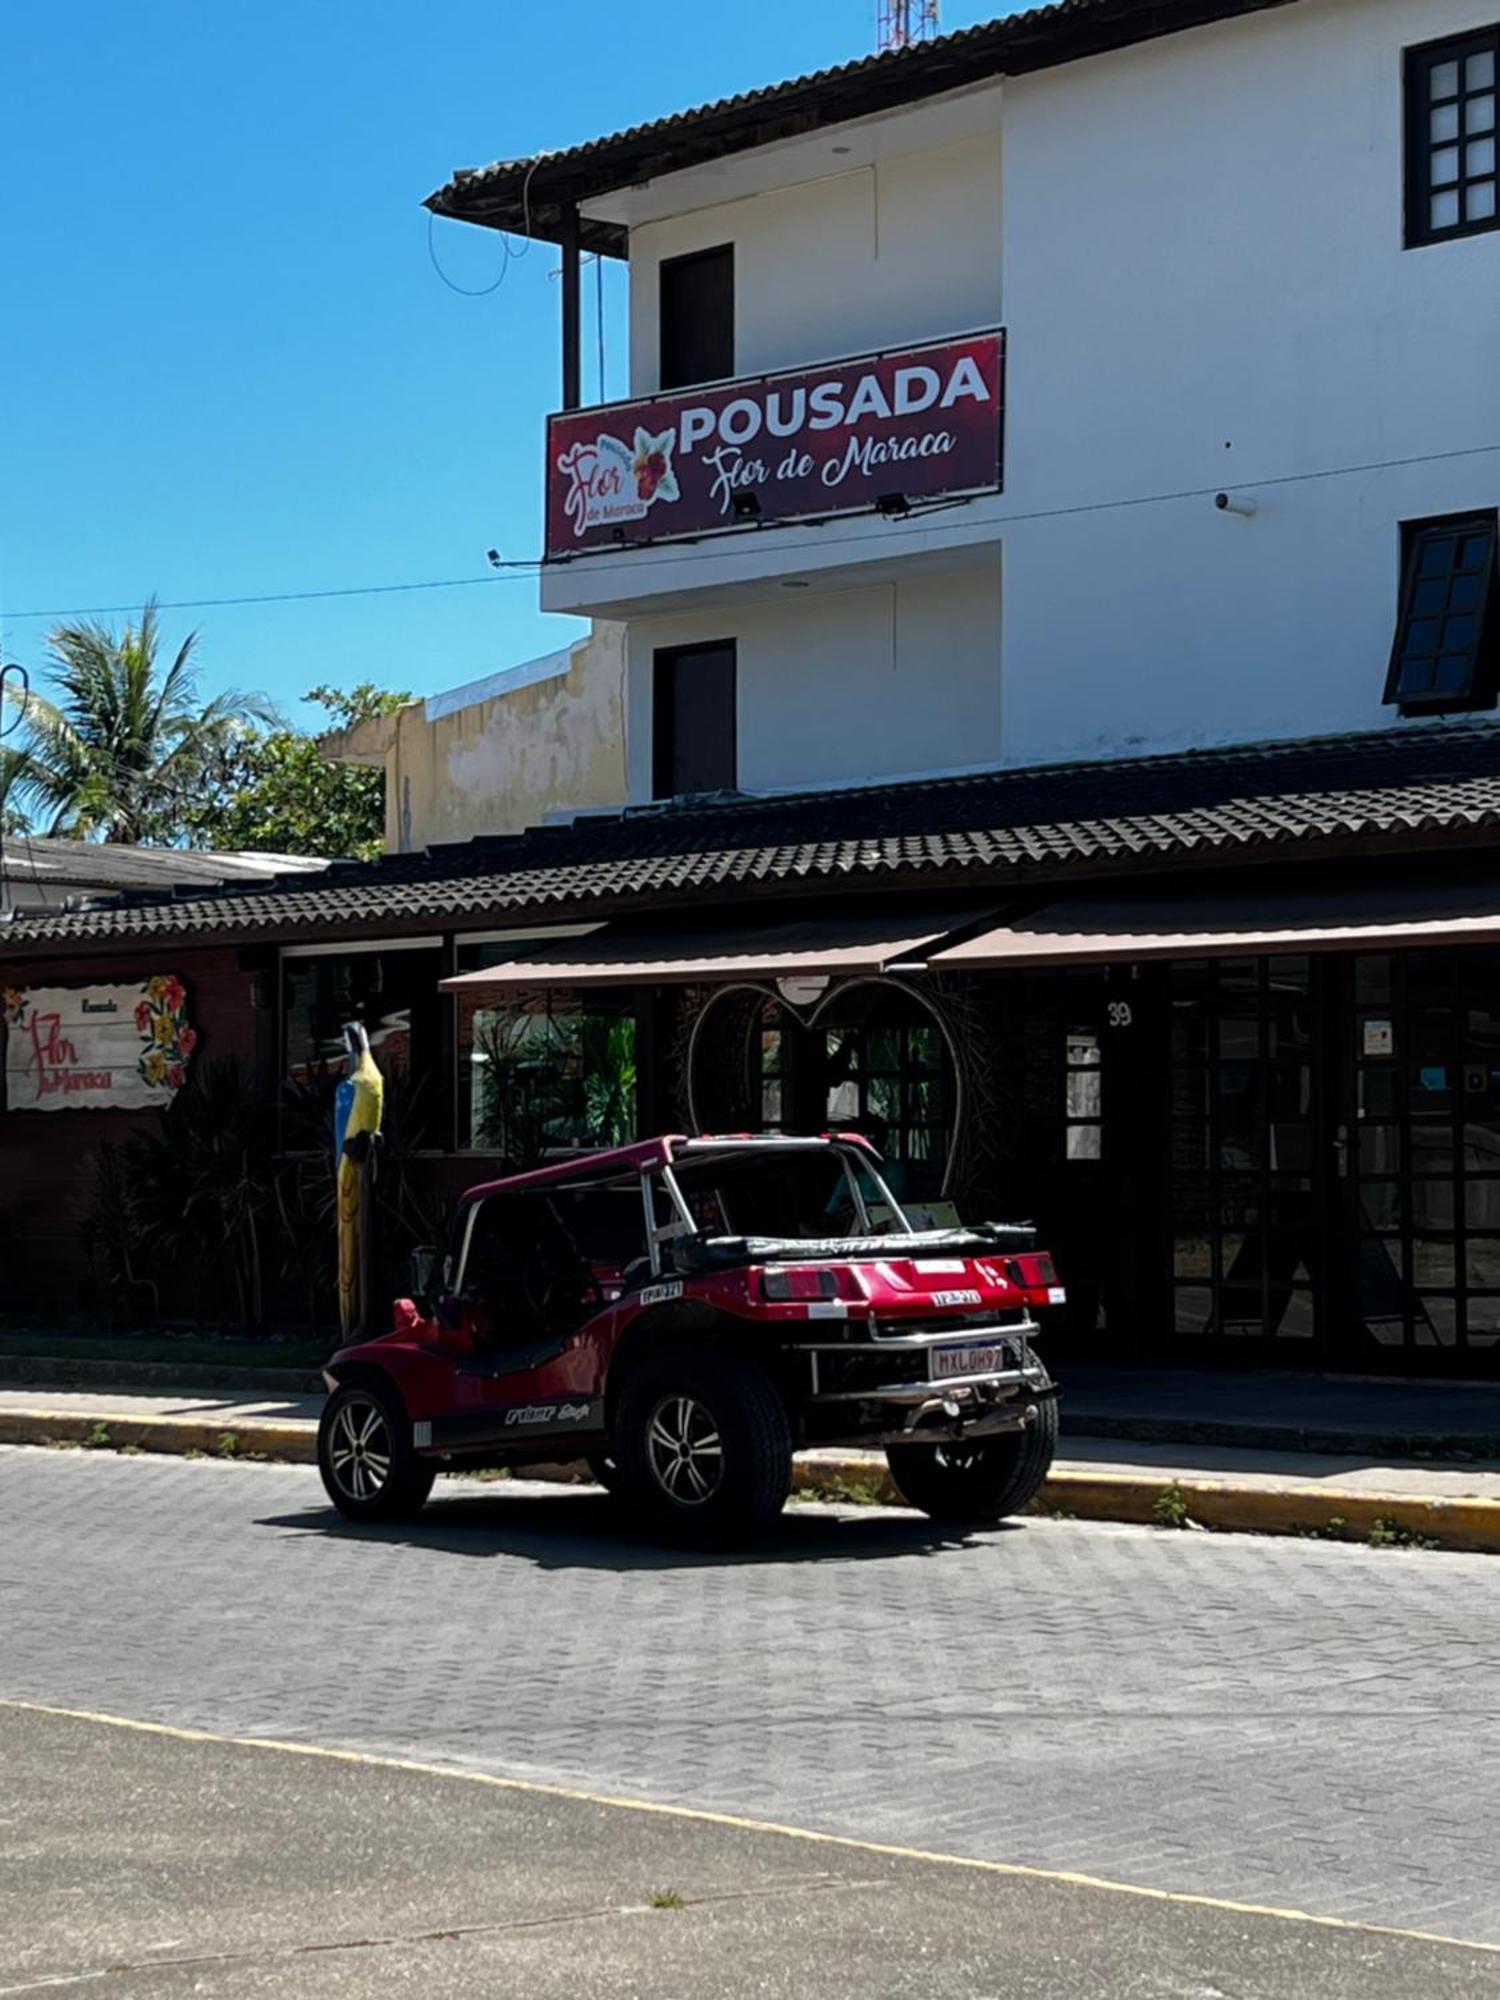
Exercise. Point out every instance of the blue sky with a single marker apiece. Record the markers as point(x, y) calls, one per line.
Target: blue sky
point(227, 365)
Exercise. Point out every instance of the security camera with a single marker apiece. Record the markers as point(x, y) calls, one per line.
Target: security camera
point(1230, 503)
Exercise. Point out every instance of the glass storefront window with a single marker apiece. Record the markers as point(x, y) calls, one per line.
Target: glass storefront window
point(1083, 1107)
point(546, 1072)
point(1437, 1321)
point(1195, 1308)
point(1244, 1108)
point(393, 994)
point(1380, 1149)
point(883, 1075)
point(1432, 1261)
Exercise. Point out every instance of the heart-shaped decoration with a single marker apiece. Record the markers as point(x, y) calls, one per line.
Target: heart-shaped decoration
point(808, 1014)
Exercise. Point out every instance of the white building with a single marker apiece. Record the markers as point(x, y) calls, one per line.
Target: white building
point(1255, 256)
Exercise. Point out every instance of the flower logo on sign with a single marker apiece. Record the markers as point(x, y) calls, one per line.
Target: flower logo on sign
point(611, 481)
point(652, 466)
point(13, 1006)
point(162, 1024)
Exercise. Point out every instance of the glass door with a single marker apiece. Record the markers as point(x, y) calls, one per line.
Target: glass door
point(1249, 1178)
point(1422, 1204)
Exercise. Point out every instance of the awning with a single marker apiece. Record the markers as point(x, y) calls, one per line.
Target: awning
point(1100, 931)
point(807, 947)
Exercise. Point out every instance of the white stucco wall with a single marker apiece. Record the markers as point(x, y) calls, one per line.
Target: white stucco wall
point(1206, 287)
point(842, 686)
point(878, 256)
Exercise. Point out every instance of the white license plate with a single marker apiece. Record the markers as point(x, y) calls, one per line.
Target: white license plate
point(950, 1361)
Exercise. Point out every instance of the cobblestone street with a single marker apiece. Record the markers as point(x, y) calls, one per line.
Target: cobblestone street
point(1284, 1723)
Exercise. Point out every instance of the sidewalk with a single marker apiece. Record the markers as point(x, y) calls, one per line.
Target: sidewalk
point(1242, 1487)
point(1351, 1414)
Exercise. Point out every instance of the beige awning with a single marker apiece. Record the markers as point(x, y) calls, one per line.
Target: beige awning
point(1101, 931)
point(807, 947)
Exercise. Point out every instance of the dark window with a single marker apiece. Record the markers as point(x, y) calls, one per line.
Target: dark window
point(697, 318)
point(1448, 629)
point(1450, 137)
point(694, 729)
point(394, 993)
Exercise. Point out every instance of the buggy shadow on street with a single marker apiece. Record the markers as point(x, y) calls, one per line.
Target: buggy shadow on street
point(566, 1528)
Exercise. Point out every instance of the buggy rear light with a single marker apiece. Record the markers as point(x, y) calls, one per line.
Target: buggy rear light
point(1034, 1272)
point(798, 1281)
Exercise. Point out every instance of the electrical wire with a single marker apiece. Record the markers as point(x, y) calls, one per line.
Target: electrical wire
point(277, 596)
point(664, 556)
point(466, 291)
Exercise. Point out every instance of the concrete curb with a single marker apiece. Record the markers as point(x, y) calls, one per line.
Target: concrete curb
point(61, 1371)
point(294, 1444)
point(1283, 1509)
point(1151, 1499)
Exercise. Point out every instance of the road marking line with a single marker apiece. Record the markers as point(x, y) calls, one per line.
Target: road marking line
point(1016, 1870)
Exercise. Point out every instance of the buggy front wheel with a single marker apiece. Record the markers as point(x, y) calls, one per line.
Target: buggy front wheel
point(365, 1455)
point(982, 1481)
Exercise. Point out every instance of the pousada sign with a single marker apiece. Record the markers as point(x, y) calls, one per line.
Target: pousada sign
point(925, 423)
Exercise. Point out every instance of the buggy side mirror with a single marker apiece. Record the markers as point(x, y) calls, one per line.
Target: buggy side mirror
point(424, 1270)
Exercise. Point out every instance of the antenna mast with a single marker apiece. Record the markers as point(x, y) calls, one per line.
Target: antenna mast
point(904, 22)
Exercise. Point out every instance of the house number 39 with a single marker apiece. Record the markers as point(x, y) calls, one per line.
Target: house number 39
point(1120, 1015)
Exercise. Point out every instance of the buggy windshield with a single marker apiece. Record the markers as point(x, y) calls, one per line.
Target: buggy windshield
point(788, 1192)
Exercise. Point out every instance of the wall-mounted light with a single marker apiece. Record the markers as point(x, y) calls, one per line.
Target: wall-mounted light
point(1234, 503)
point(894, 506)
point(801, 989)
point(745, 507)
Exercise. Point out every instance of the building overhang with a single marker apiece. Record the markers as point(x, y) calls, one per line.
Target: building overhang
point(1249, 921)
point(863, 945)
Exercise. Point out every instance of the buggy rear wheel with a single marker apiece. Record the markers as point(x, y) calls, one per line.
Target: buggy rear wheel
point(979, 1482)
point(365, 1455)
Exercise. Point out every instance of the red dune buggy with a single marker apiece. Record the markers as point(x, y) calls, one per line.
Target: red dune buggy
point(684, 1315)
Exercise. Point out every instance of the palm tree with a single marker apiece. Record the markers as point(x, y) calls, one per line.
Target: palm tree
point(120, 750)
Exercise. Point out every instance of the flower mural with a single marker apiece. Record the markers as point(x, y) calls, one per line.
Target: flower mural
point(161, 1022)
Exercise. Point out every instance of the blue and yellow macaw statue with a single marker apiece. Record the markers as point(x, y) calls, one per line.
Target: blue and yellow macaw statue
point(356, 1137)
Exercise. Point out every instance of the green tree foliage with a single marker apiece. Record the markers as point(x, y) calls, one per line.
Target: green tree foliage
point(274, 791)
point(121, 742)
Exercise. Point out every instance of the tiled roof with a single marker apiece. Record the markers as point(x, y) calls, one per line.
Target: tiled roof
point(1056, 822)
point(527, 195)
